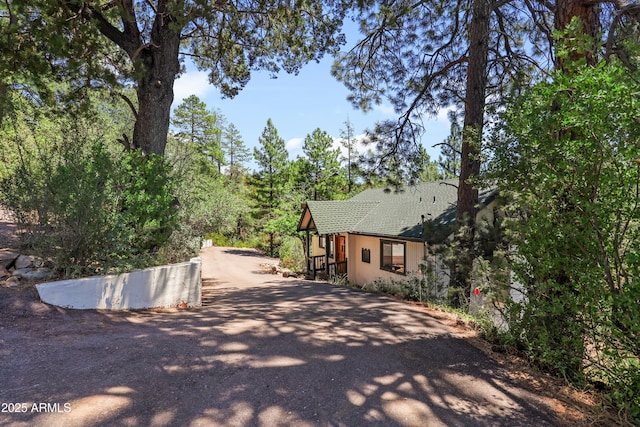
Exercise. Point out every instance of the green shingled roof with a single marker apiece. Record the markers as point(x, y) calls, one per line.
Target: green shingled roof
point(338, 216)
point(383, 212)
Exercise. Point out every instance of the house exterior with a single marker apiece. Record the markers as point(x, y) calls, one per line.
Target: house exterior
point(383, 234)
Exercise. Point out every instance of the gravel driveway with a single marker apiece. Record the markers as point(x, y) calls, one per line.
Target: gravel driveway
point(262, 351)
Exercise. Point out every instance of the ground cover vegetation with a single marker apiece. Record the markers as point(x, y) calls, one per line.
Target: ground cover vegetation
point(543, 99)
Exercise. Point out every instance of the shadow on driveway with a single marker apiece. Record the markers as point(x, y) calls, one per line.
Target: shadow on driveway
point(288, 353)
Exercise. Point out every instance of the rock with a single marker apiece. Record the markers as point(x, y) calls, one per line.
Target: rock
point(25, 261)
point(11, 282)
point(7, 257)
point(285, 274)
point(33, 274)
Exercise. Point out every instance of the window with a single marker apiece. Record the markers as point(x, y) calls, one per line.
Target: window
point(321, 241)
point(366, 255)
point(392, 256)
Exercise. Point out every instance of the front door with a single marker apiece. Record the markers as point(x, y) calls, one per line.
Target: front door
point(341, 255)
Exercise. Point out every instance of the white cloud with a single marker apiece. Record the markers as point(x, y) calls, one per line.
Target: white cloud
point(193, 83)
point(359, 146)
point(443, 114)
point(385, 109)
point(294, 144)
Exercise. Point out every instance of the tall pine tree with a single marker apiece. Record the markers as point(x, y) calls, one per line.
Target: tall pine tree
point(235, 151)
point(348, 141)
point(271, 177)
point(199, 132)
point(321, 167)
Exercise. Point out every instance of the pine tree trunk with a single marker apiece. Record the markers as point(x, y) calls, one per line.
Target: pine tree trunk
point(471, 141)
point(158, 67)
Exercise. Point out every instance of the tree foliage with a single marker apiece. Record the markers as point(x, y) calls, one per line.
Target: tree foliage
point(235, 151)
point(142, 43)
point(198, 132)
point(82, 204)
point(569, 159)
point(450, 151)
point(349, 142)
point(321, 166)
point(397, 167)
point(270, 180)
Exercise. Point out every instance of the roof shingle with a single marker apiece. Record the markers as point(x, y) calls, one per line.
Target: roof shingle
point(381, 212)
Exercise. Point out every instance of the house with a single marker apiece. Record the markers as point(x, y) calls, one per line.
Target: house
point(385, 234)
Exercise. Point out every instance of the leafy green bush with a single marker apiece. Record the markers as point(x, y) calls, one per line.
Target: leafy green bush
point(91, 211)
point(292, 254)
point(568, 158)
point(423, 287)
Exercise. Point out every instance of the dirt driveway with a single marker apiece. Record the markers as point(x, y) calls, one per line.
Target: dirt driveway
point(262, 351)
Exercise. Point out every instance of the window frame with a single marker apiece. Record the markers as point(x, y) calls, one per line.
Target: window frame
point(390, 268)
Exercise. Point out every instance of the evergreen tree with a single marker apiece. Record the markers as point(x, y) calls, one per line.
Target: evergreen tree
point(397, 168)
point(450, 151)
point(321, 166)
point(428, 171)
point(235, 151)
point(270, 179)
point(349, 143)
point(200, 131)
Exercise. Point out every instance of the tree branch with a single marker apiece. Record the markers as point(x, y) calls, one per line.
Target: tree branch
point(122, 39)
point(129, 103)
point(454, 149)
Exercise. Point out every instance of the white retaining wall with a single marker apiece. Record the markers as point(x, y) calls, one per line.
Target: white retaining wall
point(176, 285)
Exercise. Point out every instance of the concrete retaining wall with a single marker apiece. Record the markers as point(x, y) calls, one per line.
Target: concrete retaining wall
point(176, 285)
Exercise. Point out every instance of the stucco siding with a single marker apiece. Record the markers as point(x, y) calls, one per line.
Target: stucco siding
point(362, 272)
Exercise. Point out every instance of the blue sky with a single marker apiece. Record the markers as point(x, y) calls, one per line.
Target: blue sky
point(297, 104)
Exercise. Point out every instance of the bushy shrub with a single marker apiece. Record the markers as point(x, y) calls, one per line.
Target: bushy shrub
point(89, 210)
point(422, 287)
point(567, 157)
point(292, 254)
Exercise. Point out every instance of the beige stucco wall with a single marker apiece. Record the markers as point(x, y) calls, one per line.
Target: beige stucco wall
point(362, 272)
point(316, 250)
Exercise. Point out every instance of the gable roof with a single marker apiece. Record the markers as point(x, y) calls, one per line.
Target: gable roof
point(336, 216)
point(384, 212)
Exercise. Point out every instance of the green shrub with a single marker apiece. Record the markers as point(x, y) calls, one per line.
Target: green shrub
point(566, 156)
point(219, 239)
point(292, 254)
point(91, 211)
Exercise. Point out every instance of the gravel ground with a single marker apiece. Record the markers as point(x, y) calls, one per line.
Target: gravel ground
point(262, 351)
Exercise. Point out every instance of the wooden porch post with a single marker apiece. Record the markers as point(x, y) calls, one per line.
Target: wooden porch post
point(307, 252)
point(326, 253)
